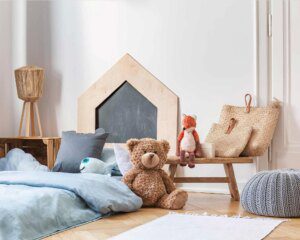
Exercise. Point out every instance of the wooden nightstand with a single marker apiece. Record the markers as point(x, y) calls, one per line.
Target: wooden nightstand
point(44, 149)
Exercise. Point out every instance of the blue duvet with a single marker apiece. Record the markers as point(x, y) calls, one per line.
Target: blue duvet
point(36, 204)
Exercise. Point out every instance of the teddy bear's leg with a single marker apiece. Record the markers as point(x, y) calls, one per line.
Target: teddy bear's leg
point(191, 160)
point(182, 158)
point(198, 151)
point(175, 200)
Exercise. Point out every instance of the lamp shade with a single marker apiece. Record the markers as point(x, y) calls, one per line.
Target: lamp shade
point(29, 81)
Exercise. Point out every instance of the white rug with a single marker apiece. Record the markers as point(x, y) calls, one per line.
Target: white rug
point(201, 227)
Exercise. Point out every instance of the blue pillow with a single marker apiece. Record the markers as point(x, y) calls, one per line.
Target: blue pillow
point(76, 146)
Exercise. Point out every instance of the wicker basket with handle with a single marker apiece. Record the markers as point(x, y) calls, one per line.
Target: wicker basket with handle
point(263, 120)
point(230, 140)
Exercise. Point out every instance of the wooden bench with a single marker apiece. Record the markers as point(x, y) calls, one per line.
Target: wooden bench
point(173, 162)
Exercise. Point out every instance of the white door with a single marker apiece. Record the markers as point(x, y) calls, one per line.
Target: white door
point(285, 81)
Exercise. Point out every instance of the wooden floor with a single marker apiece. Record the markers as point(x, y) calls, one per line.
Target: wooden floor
point(197, 203)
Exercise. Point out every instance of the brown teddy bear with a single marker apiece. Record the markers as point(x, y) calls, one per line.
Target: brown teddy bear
point(147, 179)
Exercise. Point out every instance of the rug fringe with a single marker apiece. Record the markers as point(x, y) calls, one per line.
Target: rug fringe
point(225, 215)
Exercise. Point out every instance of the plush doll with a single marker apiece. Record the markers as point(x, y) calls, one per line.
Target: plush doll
point(147, 179)
point(94, 165)
point(188, 142)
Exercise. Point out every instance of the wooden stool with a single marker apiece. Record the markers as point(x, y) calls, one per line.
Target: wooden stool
point(173, 162)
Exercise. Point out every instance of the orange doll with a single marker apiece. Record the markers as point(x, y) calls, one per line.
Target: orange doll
point(188, 141)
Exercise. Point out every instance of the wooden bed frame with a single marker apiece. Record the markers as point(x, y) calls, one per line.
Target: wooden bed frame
point(173, 162)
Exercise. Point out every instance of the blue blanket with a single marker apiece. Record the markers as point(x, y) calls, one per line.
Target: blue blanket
point(37, 204)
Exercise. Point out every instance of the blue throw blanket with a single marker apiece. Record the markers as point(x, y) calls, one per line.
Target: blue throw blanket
point(37, 204)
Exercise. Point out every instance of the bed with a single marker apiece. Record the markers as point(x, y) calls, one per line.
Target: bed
point(34, 205)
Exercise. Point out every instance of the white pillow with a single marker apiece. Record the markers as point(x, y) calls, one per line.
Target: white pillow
point(122, 158)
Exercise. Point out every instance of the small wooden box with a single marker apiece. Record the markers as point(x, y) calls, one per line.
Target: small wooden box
point(44, 149)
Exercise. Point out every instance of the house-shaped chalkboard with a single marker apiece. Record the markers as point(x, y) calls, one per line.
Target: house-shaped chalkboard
point(129, 102)
point(125, 114)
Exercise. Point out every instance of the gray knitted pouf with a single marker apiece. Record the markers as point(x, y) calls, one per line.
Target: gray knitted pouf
point(273, 193)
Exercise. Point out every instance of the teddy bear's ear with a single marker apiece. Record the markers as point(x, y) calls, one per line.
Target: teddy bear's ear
point(194, 116)
point(165, 145)
point(131, 143)
point(183, 116)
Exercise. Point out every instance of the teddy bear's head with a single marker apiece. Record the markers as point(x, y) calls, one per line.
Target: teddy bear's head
point(148, 153)
point(189, 122)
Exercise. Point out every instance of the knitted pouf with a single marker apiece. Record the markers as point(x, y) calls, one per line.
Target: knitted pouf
point(273, 193)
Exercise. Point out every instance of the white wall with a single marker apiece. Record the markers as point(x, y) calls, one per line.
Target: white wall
point(6, 78)
point(13, 55)
point(203, 50)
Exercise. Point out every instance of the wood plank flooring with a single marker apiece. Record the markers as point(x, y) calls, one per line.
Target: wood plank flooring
point(198, 203)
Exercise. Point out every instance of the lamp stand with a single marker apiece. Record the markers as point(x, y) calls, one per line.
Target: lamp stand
point(30, 109)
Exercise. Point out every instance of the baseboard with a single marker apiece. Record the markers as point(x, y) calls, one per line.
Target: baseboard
point(205, 190)
point(210, 188)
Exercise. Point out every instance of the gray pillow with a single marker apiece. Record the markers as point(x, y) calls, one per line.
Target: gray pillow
point(77, 146)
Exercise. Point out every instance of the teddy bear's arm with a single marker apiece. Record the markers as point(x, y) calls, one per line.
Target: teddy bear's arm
point(196, 136)
point(180, 137)
point(167, 181)
point(129, 177)
point(198, 146)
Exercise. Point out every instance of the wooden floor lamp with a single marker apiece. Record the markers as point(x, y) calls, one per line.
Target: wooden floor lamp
point(29, 81)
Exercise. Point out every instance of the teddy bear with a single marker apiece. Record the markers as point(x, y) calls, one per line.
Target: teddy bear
point(147, 179)
point(188, 141)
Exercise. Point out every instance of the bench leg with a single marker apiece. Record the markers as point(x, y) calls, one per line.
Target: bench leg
point(172, 169)
point(234, 191)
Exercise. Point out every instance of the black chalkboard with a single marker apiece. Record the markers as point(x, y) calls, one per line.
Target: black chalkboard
point(125, 114)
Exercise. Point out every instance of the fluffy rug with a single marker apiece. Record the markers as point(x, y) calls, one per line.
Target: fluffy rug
point(197, 227)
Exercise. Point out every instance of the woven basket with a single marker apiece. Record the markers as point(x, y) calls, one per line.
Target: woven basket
point(29, 81)
point(263, 120)
point(229, 141)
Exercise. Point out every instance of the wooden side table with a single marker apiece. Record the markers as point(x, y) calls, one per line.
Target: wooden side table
point(44, 149)
point(230, 179)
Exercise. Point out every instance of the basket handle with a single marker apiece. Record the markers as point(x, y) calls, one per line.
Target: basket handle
point(231, 125)
point(248, 102)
